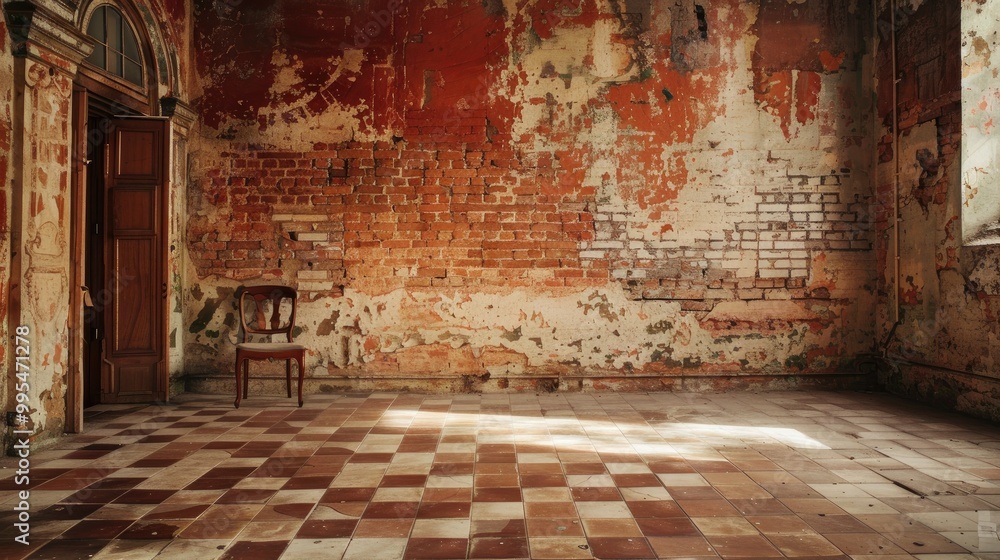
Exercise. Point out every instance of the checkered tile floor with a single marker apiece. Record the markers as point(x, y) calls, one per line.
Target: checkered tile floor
point(773, 475)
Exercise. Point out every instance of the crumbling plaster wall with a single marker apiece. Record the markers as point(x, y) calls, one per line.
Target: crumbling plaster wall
point(946, 348)
point(39, 235)
point(543, 193)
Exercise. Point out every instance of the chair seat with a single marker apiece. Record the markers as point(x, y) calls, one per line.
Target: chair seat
point(269, 346)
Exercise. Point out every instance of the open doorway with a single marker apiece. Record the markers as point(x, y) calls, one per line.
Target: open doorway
point(99, 123)
point(123, 189)
point(119, 217)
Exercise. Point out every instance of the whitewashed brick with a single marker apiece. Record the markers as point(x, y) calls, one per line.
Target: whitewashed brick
point(311, 236)
point(772, 207)
point(775, 216)
point(771, 273)
point(807, 208)
point(593, 254)
point(316, 286)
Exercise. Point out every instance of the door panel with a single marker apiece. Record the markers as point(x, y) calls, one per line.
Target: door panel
point(134, 382)
point(133, 282)
point(134, 347)
point(135, 211)
point(136, 161)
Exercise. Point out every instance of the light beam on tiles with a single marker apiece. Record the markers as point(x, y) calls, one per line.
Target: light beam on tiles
point(571, 444)
point(756, 434)
point(568, 435)
point(655, 450)
point(605, 432)
point(400, 417)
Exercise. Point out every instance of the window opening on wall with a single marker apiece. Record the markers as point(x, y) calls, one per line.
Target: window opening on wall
point(117, 51)
point(980, 137)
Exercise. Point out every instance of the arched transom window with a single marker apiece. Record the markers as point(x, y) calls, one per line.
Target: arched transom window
point(117, 51)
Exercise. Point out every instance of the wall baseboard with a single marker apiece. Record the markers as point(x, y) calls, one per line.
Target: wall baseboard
point(272, 385)
point(969, 393)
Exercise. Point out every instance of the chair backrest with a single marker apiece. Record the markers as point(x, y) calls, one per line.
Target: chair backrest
point(265, 297)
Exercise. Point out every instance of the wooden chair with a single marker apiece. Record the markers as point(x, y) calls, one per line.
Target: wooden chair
point(260, 325)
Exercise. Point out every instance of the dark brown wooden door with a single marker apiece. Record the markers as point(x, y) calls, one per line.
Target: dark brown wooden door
point(135, 180)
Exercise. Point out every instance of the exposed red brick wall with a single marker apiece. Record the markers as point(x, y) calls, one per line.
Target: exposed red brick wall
point(387, 215)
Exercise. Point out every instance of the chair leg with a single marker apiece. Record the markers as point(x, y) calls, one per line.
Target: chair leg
point(301, 372)
point(246, 378)
point(288, 377)
point(236, 403)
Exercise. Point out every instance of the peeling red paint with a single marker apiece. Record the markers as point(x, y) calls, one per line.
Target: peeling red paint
point(176, 10)
point(449, 69)
point(546, 15)
point(831, 62)
point(775, 96)
point(4, 215)
point(670, 183)
point(807, 88)
point(37, 205)
point(236, 53)
point(669, 106)
point(800, 37)
point(804, 36)
point(676, 121)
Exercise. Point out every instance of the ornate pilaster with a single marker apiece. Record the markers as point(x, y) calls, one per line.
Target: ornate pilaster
point(48, 50)
point(47, 31)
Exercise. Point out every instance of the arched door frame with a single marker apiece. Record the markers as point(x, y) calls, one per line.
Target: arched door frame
point(158, 97)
